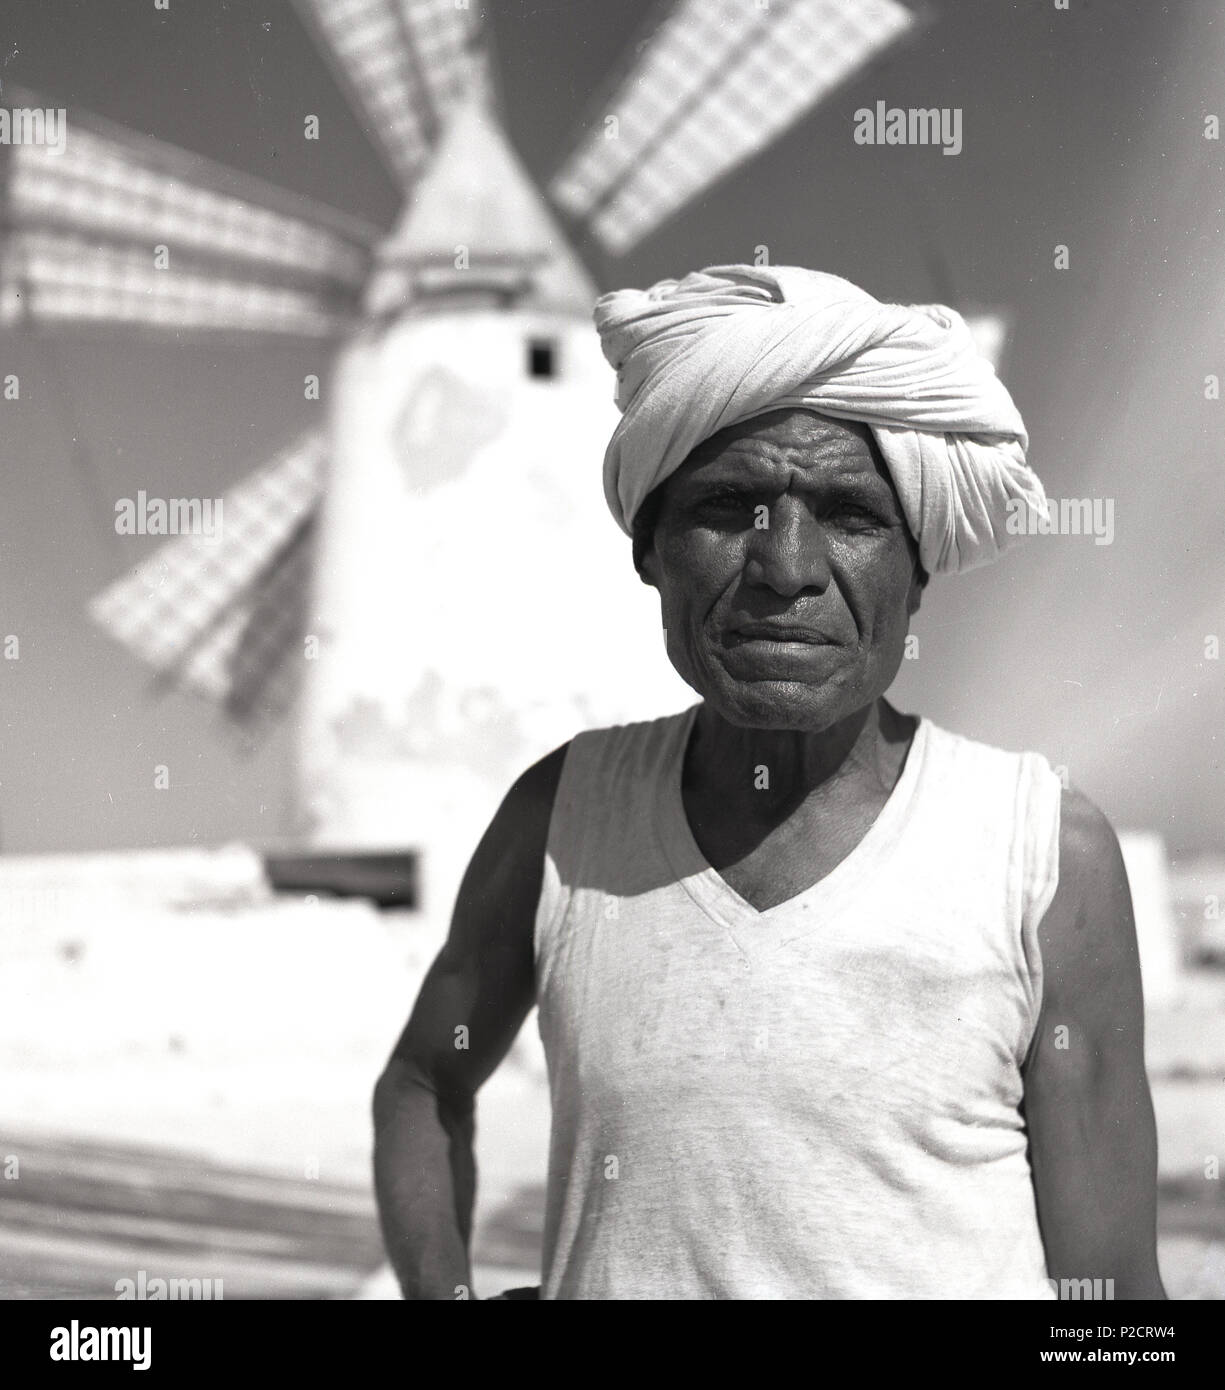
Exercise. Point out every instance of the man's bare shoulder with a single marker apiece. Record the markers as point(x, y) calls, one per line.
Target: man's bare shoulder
point(1085, 832)
point(529, 805)
point(536, 789)
point(520, 828)
point(496, 904)
point(1092, 876)
point(1088, 935)
point(519, 832)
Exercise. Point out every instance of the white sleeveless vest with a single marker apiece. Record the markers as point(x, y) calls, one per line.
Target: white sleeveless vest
point(815, 1101)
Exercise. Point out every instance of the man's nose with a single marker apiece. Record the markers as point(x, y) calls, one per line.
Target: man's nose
point(790, 553)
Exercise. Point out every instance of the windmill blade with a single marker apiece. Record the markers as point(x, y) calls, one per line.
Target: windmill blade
point(215, 613)
point(251, 662)
point(83, 218)
point(718, 81)
point(49, 276)
point(405, 65)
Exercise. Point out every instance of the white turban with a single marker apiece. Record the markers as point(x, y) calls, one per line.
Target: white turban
point(693, 356)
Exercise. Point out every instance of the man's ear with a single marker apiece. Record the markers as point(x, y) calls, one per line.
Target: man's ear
point(914, 597)
point(648, 567)
point(646, 561)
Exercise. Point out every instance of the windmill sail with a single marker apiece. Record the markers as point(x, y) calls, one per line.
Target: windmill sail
point(83, 225)
point(221, 614)
point(51, 276)
point(718, 81)
point(251, 661)
point(405, 64)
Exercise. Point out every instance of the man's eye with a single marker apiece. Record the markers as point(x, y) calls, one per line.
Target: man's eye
point(724, 503)
point(860, 517)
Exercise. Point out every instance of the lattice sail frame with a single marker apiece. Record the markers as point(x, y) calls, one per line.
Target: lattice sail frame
point(199, 610)
point(719, 80)
point(109, 226)
point(406, 66)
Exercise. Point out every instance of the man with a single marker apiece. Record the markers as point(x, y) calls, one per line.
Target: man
point(836, 1004)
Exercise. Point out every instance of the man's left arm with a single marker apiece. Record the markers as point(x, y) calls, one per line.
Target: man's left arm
point(1093, 1140)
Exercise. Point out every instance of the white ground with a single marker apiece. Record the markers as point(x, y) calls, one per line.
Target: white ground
point(249, 1031)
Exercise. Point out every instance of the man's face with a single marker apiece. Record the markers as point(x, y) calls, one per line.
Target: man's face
point(786, 571)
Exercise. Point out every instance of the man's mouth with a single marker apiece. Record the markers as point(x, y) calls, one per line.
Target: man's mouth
point(778, 632)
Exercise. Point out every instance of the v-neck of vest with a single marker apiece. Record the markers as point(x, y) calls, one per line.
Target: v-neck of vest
point(751, 926)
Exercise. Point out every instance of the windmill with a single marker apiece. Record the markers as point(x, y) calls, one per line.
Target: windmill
point(430, 582)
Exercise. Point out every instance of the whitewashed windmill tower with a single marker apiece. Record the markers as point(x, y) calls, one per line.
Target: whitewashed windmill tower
point(431, 585)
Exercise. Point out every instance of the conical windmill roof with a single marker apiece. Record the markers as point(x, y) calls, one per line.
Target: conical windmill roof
point(477, 194)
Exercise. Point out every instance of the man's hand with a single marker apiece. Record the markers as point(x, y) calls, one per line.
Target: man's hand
point(479, 990)
point(1093, 1141)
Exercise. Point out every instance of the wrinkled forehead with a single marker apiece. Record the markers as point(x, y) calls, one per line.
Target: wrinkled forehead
point(770, 447)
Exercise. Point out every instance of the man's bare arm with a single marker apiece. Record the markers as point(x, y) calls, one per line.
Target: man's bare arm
point(1093, 1141)
point(471, 1005)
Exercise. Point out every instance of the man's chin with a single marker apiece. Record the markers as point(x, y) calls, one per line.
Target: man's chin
point(777, 704)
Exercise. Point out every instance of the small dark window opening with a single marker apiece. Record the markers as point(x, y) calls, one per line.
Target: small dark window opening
point(541, 357)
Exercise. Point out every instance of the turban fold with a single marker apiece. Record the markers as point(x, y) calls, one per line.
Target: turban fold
point(730, 342)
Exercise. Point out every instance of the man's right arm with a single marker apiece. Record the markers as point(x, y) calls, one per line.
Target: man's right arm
point(472, 1004)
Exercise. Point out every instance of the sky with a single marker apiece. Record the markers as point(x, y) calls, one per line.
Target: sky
point(1082, 128)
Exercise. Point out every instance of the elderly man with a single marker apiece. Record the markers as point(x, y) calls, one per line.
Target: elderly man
point(836, 1003)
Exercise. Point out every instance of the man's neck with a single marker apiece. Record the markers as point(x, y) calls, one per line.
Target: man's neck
point(767, 773)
